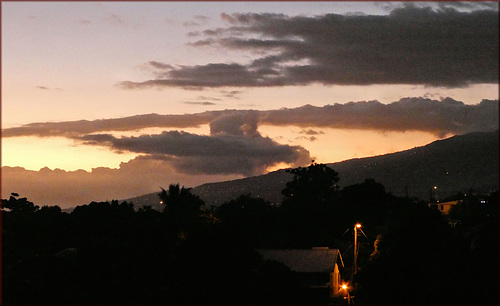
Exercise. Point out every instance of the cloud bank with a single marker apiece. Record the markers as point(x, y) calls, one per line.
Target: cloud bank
point(440, 117)
point(80, 127)
point(411, 45)
point(409, 114)
point(139, 176)
point(195, 154)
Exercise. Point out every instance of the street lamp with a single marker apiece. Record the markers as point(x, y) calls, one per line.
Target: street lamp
point(348, 297)
point(358, 225)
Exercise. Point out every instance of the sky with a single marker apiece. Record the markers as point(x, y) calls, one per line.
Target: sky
point(112, 100)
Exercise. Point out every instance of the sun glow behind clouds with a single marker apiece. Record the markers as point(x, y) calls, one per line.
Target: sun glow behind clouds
point(34, 153)
point(327, 145)
point(191, 61)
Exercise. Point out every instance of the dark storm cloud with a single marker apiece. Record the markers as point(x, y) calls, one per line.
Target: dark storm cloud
point(409, 114)
point(220, 154)
point(411, 45)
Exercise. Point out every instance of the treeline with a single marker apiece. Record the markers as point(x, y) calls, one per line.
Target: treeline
point(108, 252)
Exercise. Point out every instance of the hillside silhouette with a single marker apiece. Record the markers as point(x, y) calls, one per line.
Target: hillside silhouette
point(456, 164)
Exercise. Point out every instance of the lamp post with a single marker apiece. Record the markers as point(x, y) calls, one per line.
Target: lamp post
point(358, 225)
point(348, 297)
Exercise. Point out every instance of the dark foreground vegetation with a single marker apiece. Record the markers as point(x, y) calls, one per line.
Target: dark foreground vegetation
point(111, 253)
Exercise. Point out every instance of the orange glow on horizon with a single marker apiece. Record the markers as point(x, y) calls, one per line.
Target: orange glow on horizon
point(34, 153)
point(330, 146)
point(336, 145)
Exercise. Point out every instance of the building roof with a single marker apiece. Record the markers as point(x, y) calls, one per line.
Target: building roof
point(307, 260)
point(446, 203)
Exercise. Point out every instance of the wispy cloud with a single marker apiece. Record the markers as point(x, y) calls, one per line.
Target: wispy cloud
point(116, 19)
point(469, 6)
point(119, 20)
point(85, 22)
point(311, 132)
point(411, 45)
point(310, 138)
point(82, 127)
point(204, 103)
point(231, 94)
point(197, 20)
point(46, 88)
point(160, 65)
point(204, 100)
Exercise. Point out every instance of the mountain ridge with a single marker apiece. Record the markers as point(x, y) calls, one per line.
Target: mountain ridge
point(456, 164)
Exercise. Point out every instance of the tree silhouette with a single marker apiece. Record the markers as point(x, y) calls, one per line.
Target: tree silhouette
point(182, 211)
point(19, 206)
point(179, 201)
point(110, 253)
point(417, 259)
point(310, 207)
point(316, 184)
point(367, 203)
point(249, 219)
point(478, 228)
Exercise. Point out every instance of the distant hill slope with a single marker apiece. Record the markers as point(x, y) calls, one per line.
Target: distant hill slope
point(455, 164)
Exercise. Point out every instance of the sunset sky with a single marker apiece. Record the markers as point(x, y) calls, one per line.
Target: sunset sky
point(111, 100)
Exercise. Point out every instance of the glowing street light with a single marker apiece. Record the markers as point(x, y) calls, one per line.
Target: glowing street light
point(356, 227)
point(348, 297)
